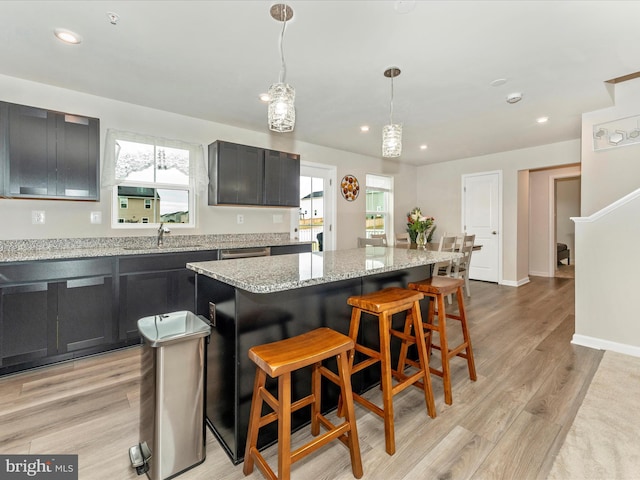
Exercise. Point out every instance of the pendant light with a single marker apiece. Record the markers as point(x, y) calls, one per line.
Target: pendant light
point(282, 112)
point(392, 133)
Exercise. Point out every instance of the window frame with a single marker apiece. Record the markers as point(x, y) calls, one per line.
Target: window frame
point(190, 188)
point(387, 213)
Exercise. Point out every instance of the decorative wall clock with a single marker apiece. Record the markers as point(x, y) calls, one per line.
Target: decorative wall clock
point(350, 188)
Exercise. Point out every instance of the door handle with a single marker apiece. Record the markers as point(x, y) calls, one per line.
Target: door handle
point(494, 233)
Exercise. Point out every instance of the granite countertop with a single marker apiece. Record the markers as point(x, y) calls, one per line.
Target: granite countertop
point(71, 248)
point(287, 272)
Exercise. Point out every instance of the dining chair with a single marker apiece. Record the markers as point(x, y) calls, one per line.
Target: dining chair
point(375, 242)
point(447, 244)
point(403, 240)
point(383, 236)
point(461, 266)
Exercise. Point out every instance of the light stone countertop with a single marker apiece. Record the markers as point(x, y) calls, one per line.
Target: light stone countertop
point(287, 272)
point(73, 248)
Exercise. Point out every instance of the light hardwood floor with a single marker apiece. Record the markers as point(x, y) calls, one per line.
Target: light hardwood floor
point(509, 424)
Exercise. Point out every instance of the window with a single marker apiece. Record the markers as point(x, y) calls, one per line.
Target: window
point(379, 196)
point(154, 180)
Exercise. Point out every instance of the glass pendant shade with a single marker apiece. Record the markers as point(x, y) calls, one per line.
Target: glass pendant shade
point(282, 111)
point(392, 140)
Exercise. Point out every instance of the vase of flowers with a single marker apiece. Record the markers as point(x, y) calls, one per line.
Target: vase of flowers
point(419, 227)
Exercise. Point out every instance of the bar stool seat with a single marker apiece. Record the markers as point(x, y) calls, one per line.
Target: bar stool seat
point(278, 360)
point(383, 304)
point(437, 288)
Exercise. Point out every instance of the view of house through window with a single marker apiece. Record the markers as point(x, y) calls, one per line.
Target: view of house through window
point(378, 205)
point(154, 183)
point(311, 222)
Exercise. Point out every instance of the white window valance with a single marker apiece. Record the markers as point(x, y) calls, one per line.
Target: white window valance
point(118, 165)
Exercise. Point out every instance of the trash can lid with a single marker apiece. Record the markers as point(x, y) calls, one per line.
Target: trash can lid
point(173, 327)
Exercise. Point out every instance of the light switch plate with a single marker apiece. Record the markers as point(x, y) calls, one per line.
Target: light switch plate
point(96, 217)
point(277, 218)
point(37, 217)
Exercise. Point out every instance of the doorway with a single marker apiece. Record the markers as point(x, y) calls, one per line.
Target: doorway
point(566, 204)
point(316, 216)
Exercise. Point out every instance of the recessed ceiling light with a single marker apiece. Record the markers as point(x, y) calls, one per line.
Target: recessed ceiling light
point(542, 119)
point(67, 36)
point(498, 81)
point(514, 97)
point(264, 97)
point(364, 128)
point(423, 147)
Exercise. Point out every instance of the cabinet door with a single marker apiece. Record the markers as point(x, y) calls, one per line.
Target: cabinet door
point(237, 174)
point(25, 326)
point(49, 154)
point(85, 313)
point(141, 295)
point(77, 157)
point(281, 179)
point(32, 151)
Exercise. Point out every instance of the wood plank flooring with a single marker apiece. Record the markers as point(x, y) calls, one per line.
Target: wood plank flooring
point(509, 424)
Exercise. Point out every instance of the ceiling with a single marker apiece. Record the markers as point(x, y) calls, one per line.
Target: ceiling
point(211, 60)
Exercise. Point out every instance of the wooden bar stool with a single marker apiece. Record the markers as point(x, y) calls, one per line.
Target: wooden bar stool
point(383, 304)
point(279, 359)
point(437, 288)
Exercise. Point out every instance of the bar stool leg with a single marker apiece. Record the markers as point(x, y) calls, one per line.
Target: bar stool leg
point(350, 416)
point(284, 426)
point(418, 330)
point(465, 335)
point(444, 350)
point(254, 421)
point(387, 386)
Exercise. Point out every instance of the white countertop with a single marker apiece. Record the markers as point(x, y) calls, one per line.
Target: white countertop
point(286, 272)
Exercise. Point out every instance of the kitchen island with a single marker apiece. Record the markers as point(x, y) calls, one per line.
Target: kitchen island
point(252, 301)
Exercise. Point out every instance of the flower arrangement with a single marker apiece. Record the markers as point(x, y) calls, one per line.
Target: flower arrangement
point(418, 223)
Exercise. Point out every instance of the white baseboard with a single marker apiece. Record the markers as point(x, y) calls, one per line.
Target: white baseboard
point(517, 283)
point(600, 344)
point(540, 274)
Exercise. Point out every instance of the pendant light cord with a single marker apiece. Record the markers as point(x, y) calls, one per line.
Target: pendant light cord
point(283, 66)
point(391, 105)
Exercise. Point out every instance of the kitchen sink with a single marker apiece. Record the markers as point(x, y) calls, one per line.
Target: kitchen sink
point(164, 247)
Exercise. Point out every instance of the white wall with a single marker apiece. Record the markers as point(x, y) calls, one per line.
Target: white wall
point(608, 175)
point(71, 218)
point(439, 192)
point(607, 278)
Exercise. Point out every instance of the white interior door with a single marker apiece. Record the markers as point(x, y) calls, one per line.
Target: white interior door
point(482, 216)
point(317, 212)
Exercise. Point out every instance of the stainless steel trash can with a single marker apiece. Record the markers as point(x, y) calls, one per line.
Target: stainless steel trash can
point(172, 391)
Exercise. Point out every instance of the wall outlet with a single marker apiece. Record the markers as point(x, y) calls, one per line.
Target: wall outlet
point(277, 218)
point(96, 217)
point(37, 217)
point(240, 219)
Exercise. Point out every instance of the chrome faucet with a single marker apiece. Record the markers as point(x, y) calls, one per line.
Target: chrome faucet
point(161, 231)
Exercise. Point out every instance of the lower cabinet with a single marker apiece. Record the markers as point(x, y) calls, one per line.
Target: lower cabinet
point(45, 317)
point(155, 284)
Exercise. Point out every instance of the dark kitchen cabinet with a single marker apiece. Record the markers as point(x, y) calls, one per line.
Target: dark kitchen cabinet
point(281, 179)
point(245, 175)
point(155, 284)
point(236, 174)
point(288, 249)
point(48, 154)
point(54, 310)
